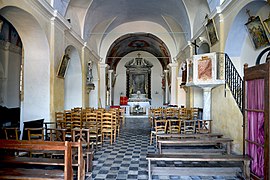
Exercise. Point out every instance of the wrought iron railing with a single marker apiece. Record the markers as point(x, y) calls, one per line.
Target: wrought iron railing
point(234, 82)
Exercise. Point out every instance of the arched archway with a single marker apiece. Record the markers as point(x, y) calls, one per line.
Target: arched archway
point(35, 102)
point(73, 80)
point(204, 48)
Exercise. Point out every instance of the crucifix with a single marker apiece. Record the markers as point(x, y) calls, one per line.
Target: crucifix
point(195, 45)
point(249, 16)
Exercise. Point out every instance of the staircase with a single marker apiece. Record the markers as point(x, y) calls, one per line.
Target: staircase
point(234, 81)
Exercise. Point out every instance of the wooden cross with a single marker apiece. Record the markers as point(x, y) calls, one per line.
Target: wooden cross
point(195, 44)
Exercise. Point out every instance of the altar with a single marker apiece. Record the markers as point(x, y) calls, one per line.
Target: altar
point(138, 103)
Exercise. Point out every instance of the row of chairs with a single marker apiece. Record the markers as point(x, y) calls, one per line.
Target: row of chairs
point(173, 113)
point(91, 125)
point(98, 123)
point(173, 120)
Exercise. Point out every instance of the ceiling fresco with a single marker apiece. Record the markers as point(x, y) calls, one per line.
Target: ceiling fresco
point(138, 42)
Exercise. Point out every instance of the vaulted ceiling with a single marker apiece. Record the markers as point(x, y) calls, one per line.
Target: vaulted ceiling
point(102, 23)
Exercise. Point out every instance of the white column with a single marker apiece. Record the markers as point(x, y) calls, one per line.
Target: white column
point(103, 87)
point(166, 86)
point(207, 103)
point(174, 67)
point(110, 86)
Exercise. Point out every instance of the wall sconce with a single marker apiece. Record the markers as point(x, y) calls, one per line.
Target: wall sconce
point(156, 92)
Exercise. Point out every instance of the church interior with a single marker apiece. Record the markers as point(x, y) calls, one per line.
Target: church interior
point(134, 89)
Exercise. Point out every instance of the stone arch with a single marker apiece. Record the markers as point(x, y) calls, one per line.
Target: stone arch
point(35, 103)
point(73, 79)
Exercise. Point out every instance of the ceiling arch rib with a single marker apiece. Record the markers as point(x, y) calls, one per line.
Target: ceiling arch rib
point(137, 42)
point(137, 27)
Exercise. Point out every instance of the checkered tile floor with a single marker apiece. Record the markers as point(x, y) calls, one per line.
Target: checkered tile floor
point(126, 158)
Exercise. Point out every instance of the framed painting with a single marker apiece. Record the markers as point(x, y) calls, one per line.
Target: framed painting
point(63, 66)
point(257, 33)
point(267, 25)
point(211, 32)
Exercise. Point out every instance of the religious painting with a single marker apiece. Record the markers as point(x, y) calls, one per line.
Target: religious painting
point(63, 66)
point(257, 33)
point(205, 68)
point(212, 32)
point(138, 84)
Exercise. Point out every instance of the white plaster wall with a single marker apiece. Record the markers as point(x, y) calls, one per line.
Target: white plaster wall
point(73, 82)
point(197, 97)
point(156, 72)
point(13, 81)
point(181, 93)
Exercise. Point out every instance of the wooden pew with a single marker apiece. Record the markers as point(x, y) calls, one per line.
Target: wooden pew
point(206, 135)
point(44, 146)
point(195, 142)
point(197, 171)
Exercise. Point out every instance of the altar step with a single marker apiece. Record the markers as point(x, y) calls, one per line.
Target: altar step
point(136, 116)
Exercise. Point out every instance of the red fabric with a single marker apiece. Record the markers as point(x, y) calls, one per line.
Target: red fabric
point(123, 100)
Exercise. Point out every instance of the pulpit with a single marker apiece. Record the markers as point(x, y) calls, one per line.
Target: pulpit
point(206, 71)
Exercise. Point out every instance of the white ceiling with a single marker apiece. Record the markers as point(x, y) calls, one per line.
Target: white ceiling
point(100, 17)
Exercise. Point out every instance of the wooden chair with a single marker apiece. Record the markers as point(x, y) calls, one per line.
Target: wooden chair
point(160, 128)
point(189, 126)
point(183, 114)
point(174, 126)
point(11, 133)
point(68, 124)
point(35, 134)
point(60, 120)
point(194, 113)
point(94, 126)
point(169, 113)
point(157, 113)
point(107, 127)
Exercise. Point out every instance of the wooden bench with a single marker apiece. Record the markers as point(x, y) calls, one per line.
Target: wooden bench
point(45, 146)
point(198, 171)
point(196, 142)
point(195, 136)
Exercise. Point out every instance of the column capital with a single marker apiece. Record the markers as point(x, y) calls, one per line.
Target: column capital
point(166, 71)
point(103, 65)
point(207, 89)
point(110, 70)
point(173, 65)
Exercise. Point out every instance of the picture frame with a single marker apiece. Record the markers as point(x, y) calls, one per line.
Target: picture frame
point(212, 32)
point(266, 23)
point(257, 33)
point(63, 66)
